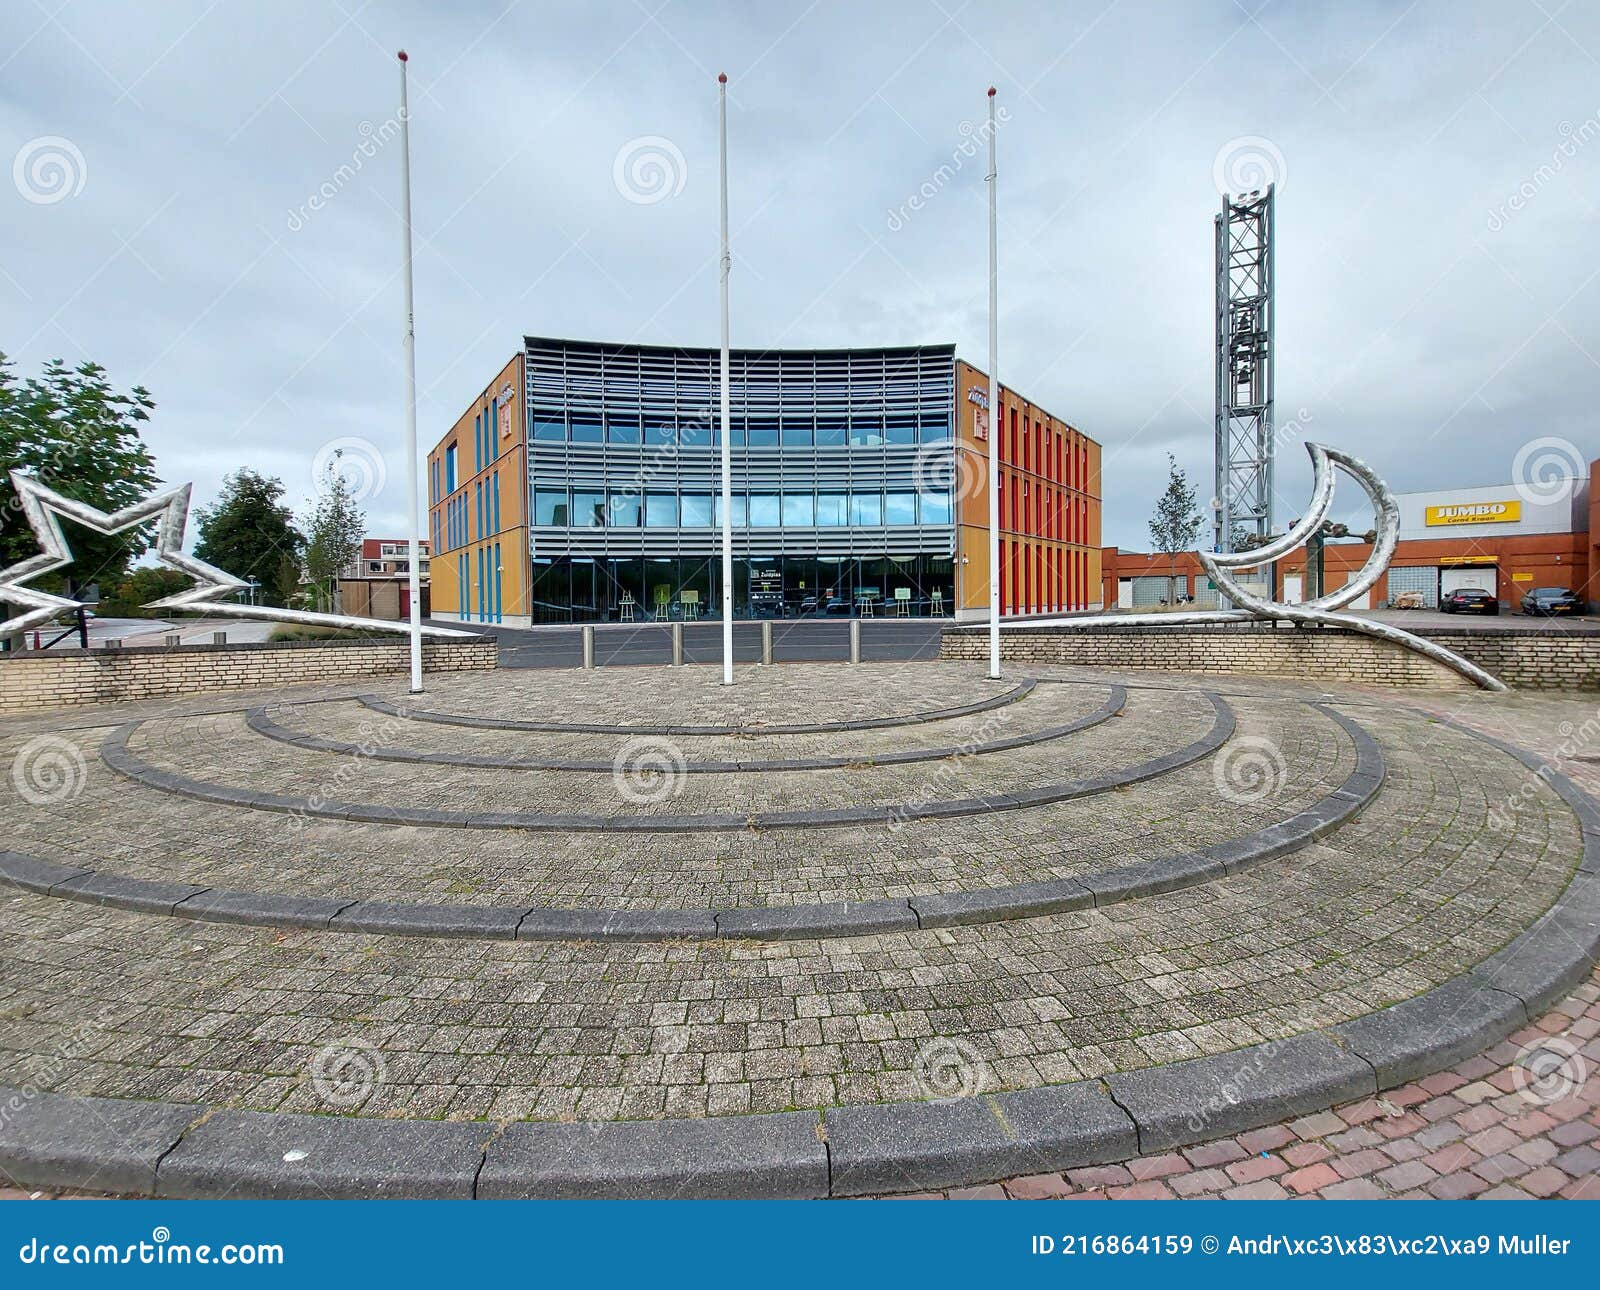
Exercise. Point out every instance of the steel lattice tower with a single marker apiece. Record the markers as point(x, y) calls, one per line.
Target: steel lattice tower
point(1244, 367)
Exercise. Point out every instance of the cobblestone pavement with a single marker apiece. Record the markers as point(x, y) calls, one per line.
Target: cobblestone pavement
point(1487, 1128)
point(1461, 849)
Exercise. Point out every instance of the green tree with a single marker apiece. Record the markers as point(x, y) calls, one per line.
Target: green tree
point(79, 436)
point(249, 532)
point(333, 533)
point(1176, 522)
point(128, 597)
point(286, 581)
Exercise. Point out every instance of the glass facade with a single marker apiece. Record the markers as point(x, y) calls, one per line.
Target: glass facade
point(841, 470)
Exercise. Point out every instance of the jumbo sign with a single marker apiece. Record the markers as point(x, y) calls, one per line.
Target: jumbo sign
point(1474, 513)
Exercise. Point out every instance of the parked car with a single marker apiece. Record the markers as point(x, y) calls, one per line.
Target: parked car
point(1550, 601)
point(1470, 600)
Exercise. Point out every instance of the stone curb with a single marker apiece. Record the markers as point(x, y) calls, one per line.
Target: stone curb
point(822, 921)
point(115, 753)
point(259, 720)
point(380, 704)
point(56, 1140)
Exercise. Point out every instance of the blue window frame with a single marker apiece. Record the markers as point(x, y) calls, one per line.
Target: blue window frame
point(450, 469)
point(497, 587)
point(461, 584)
point(497, 501)
point(477, 493)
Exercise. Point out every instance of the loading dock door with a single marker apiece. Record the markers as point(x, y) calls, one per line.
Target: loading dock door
point(1485, 577)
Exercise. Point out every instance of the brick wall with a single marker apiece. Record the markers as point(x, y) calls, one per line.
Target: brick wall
point(1554, 659)
point(44, 679)
point(1243, 647)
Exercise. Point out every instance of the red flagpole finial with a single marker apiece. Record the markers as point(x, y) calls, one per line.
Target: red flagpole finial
point(991, 91)
point(403, 59)
point(722, 78)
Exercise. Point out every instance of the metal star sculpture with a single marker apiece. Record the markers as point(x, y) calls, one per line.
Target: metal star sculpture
point(44, 508)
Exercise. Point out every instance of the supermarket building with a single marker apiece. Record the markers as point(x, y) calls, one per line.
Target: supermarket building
point(1504, 538)
point(582, 484)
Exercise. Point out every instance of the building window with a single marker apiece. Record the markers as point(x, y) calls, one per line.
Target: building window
point(833, 510)
point(900, 508)
point(658, 430)
point(740, 510)
point(933, 508)
point(762, 434)
point(935, 429)
point(866, 431)
point(622, 427)
point(764, 510)
point(550, 507)
point(696, 511)
point(797, 432)
point(660, 510)
point(866, 510)
point(624, 511)
point(832, 432)
point(799, 510)
point(899, 430)
point(450, 469)
point(588, 509)
point(588, 429)
point(549, 427)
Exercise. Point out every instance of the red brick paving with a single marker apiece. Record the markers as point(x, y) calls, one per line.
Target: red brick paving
point(1464, 1132)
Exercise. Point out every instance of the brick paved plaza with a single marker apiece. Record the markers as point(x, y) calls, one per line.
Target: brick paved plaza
point(856, 904)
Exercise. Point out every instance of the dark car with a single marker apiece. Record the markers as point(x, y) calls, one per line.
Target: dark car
point(1469, 600)
point(1550, 601)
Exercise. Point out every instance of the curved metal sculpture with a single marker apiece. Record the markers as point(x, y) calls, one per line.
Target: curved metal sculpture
point(1318, 611)
point(43, 506)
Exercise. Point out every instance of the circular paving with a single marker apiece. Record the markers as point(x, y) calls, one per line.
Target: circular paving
point(1101, 915)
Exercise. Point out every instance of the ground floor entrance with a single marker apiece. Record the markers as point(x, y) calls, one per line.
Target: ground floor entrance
point(686, 589)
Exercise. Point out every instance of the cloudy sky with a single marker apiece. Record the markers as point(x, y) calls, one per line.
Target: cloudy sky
point(1438, 168)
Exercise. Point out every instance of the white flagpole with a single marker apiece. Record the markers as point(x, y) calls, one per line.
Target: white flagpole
point(996, 420)
point(412, 468)
point(727, 486)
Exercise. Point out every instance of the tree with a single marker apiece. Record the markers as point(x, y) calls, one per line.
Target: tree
point(249, 532)
point(128, 598)
point(1176, 522)
point(333, 535)
point(286, 582)
point(79, 436)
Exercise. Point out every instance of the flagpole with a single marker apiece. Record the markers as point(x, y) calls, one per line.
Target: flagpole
point(996, 417)
point(727, 486)
point(412, 467)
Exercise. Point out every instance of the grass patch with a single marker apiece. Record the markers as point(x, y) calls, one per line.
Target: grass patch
point(309, 632)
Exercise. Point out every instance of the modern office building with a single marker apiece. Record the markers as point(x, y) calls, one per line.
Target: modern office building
point(583, 484)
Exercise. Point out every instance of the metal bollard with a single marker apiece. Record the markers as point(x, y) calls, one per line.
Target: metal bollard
point(219, 638)
point(677, 644)
point(855, 640)
point(766, 643)
point(588, 647)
